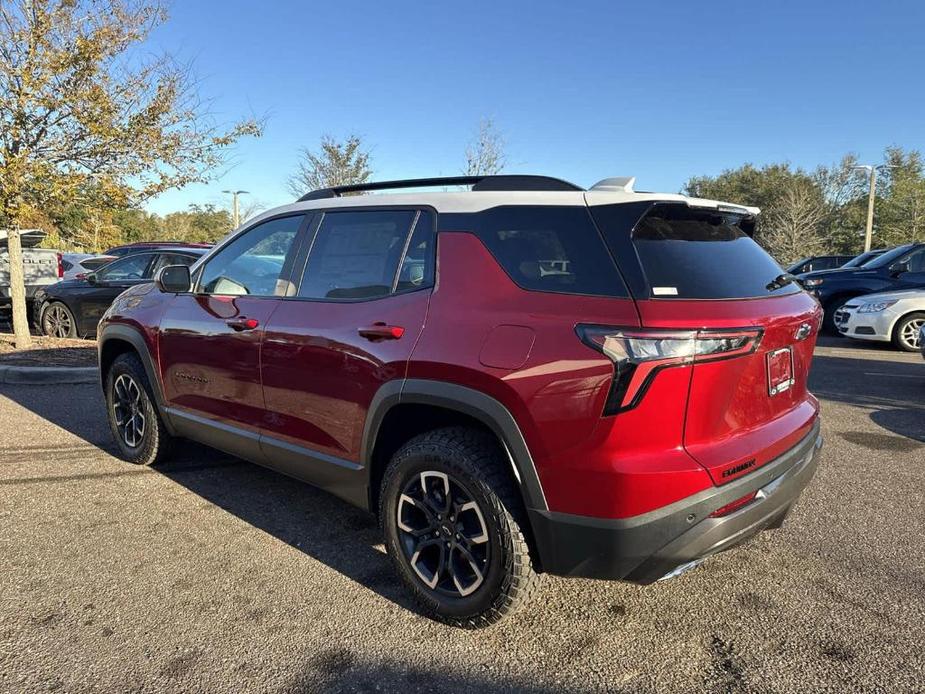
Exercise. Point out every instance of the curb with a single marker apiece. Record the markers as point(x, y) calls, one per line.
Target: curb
point(48, 375)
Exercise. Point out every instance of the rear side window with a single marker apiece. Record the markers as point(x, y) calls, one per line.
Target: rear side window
point(690, 253)
point(356, 255)
point(550, 249)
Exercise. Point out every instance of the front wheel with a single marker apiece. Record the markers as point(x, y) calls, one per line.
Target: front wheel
point(907, 333)
point(454, 528)
point(133, 417)
point(58, 321)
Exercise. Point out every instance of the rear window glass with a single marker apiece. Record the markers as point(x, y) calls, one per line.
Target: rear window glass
point(688, 253)
point(550, 249)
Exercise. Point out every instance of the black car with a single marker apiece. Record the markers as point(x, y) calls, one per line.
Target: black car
point(73, 308)
point(863, 258)
point(900, 268)
point(818, 262)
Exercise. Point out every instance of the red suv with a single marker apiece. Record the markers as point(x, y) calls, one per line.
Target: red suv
point(520, 378)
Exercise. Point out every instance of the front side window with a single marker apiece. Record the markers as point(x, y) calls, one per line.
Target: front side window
point(356, 255)
point(133, 267)
point(253, 263)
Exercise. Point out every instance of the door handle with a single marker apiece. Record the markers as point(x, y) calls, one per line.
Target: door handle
point(381, 331)
point(242, 323)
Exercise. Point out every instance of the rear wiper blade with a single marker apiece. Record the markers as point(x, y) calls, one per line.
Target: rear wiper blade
point(780, 281)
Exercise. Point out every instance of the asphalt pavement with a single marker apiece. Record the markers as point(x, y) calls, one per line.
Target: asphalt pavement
point(209, 574)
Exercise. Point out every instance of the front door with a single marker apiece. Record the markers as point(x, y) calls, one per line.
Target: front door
point(210, 338)
point(361, 304)
point(104, 286)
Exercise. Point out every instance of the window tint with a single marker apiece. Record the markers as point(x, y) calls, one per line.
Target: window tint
point(550, 249)
point(916, 261)
point(417, 266)
point(131, 267)
point(167, 259)
point(688, 253)
point(355, 254)
point(253, 262)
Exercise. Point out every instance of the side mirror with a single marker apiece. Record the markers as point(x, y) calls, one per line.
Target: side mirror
point(173, 279)
point(91, 278)
point(899, 268)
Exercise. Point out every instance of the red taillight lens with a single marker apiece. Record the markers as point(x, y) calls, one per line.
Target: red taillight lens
point(60, 265)
point(734, 506)
point(638, 354)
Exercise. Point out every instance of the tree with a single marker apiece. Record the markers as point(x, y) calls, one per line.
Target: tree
point(748, 185)
point(333, 164)
point(793, 228)
point(199, 224)
point(900, 212)
point(486, 155)
point(81, 103)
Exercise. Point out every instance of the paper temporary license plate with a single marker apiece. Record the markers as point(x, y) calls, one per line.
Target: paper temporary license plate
point(780, 370)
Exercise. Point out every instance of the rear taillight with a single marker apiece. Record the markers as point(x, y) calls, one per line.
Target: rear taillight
point(60, 265)
point(638, 354)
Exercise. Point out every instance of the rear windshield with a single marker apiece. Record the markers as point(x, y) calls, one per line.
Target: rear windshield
point(688, 253)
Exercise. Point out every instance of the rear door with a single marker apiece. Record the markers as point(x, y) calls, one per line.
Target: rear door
point(698, 270)
point(361, 302)
point(209, 339)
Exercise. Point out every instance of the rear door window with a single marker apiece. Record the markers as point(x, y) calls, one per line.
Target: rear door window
point(690, 253)
point(358, 255)
point(550, 249)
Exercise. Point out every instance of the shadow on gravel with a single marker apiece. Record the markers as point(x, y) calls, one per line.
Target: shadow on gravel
point(893, 390)
point(314, 522)
point(340, 670)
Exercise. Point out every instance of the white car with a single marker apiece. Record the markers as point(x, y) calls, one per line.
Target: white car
point(896, 317)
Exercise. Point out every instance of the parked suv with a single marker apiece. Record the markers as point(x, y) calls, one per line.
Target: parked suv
point(521, 378)
point(898, 269)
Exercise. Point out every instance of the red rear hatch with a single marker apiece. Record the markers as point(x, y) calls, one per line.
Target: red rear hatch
point(746, 410)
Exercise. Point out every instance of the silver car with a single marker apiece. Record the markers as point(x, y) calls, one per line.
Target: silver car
point(896, 317)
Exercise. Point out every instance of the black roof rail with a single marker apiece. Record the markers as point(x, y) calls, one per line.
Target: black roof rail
point(496, 182)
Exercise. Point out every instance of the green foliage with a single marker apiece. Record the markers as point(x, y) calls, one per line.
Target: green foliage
point(824, 211)
point(90, 116)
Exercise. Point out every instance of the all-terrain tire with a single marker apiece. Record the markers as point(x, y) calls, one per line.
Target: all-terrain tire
point(475, 462)
point(127, 381)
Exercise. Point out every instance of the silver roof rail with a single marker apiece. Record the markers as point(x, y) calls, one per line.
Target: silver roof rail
point(622, 184)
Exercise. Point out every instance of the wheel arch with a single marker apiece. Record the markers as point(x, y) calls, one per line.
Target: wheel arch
point(417, 405)
point(117, 339)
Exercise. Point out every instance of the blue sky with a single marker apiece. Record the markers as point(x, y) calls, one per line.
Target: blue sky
point(581, 90)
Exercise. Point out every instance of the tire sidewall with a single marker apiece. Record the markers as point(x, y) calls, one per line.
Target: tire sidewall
point(73, 331)
point(897, 339)
point(411, 462)
point(145, 453)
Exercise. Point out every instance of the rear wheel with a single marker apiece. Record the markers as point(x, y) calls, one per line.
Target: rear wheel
point(906, 334)
point(453, 524)
point(133, 418)
point(58, 321)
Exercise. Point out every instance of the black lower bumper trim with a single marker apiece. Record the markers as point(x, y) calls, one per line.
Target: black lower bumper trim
point(644, 548)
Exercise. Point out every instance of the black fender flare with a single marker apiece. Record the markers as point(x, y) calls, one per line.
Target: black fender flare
point(468, 401)
point(126, 333)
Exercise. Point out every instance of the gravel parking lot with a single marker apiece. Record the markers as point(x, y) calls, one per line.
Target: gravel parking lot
point(210, 574)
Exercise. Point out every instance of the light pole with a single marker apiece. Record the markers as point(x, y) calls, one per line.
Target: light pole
point(235, 220)
point(871, 196)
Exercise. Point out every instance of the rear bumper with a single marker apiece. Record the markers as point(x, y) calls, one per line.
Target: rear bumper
point(645, 548)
